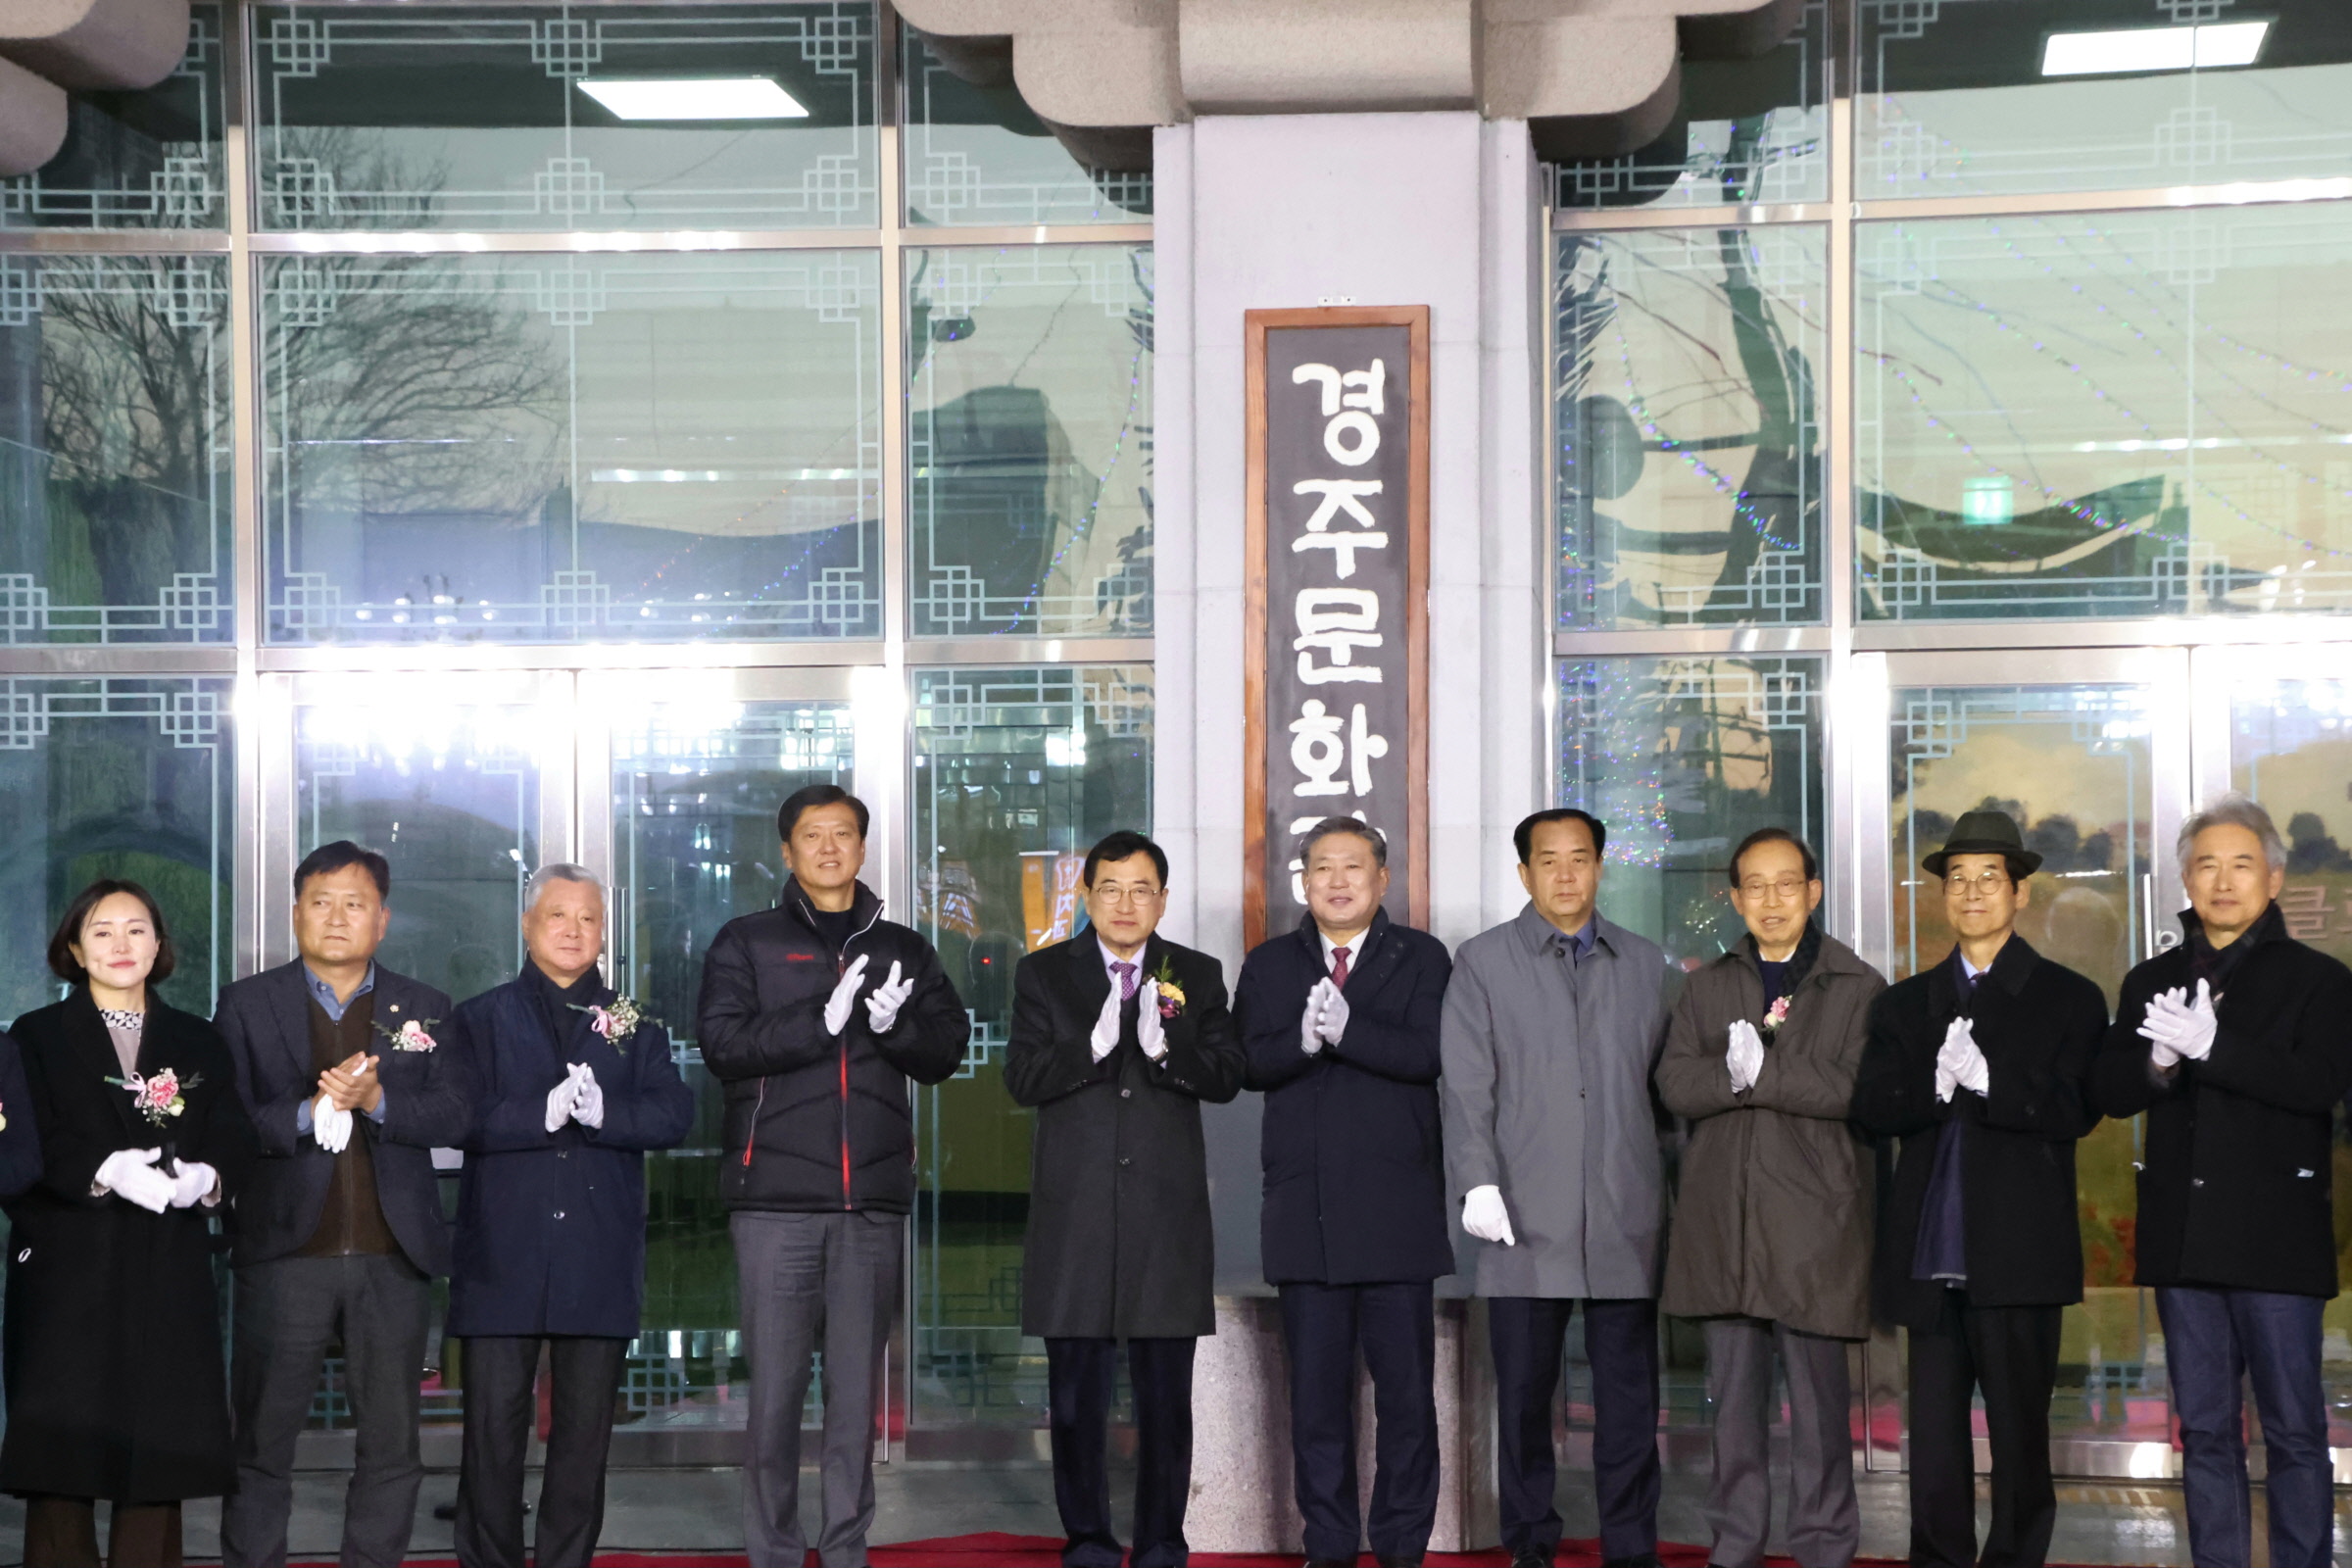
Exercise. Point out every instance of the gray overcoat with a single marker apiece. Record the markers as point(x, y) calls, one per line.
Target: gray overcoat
point(1772, 1216)
point(1547, 1096)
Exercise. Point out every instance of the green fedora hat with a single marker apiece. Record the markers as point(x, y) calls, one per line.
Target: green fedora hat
point(1982, 833)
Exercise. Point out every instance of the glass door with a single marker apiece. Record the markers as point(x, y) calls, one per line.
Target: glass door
point(2089, 752)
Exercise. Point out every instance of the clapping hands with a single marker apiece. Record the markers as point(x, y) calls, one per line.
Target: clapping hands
point(1960, 1064)
point(2177, 1027)
point(1325, 1018)
point(1743, 1055)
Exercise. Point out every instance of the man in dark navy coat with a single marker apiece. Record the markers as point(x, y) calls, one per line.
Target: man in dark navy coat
point(1340, 1019)
point(575, 1086)
point(339, 1230)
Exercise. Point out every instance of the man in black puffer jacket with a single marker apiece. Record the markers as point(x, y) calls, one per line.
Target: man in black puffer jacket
point(815, 1014)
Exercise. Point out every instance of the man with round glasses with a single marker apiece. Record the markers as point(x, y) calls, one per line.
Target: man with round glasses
point(1979, 1065)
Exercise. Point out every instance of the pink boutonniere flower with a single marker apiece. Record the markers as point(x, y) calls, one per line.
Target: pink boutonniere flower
point(411, 1035)
point(1777, 1016)
point(159, 1097)
point(618, 1021)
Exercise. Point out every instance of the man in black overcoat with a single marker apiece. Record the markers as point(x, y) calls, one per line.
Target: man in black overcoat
point(1340, 1019)
point(2237, 1044)
point(1118, 1037)
point(1980, 1066)
point(339, 1230)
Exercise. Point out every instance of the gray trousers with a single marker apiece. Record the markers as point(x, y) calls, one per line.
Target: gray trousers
point(288, 1312)
point(1825, 1527)
point(810, 1282)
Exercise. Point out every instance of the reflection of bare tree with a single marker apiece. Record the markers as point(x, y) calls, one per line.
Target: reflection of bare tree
point(135, 412)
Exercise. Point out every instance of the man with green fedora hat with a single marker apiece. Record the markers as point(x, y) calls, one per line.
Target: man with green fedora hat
point(1980, 1066)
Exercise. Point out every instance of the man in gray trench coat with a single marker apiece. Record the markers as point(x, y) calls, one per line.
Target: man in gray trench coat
point(1551, 1027)
point(1771, 1242)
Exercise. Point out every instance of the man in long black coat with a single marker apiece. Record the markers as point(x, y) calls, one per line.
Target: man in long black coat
point(1340, 1019)
point(1118, 1037)
point(2237, 1044)
point(573, 1086)
point(339, 1230)
point(1980, 1066)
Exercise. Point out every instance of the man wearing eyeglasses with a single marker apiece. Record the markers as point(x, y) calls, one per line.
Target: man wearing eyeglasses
point(1980, 1066)
point(1119, 1036)
point(1771, 1242)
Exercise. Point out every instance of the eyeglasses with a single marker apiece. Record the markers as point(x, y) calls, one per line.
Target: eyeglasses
point(1960, 884)
point(1787, 890)
point(1120, 896)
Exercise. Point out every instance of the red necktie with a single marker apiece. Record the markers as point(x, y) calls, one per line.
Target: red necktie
point(1339, 966)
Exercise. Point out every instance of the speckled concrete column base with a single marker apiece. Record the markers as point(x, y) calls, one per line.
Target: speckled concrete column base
point(1242, 1493)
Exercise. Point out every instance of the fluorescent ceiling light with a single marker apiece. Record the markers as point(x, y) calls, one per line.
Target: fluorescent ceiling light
point(694, 97)
point(2134, 49)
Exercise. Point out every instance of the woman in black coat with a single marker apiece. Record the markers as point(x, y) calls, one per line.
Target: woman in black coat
point(116, 1383)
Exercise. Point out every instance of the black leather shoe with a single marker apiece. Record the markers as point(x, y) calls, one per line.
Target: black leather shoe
point(1329, 1562)
point(1398, 1562)
point(1531, 1559)
point(1647, 1559)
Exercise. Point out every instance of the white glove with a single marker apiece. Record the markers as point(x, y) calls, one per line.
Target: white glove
point(588, 1098)
point(1743, 1055)
point(563, 1098)
point(1331, 1021)
point(844, 992)
point(330, 1124)
point(2186, 1029)
point(1485, 1217)
point(2161, 1054)
point(131, 1173)
point(1310, 1032)
point(193, 1184)
point(1150, 1029)
point(882, 1004)
point(1959, 1063)
point(1105, 1037)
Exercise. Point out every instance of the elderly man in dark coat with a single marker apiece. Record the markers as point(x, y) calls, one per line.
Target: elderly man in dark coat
point(1771, 1242)
point(1980, 1066)
point(2237, 1044)
point(339, 1231)
point(1552, 1026)
point(574, 1085)
point(1340, 1019)
point(1118, 1037)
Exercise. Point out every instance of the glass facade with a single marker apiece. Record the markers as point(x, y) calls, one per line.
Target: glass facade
point(513, 470)
point(1989, 458)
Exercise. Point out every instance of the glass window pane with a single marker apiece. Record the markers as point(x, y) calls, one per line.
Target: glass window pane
point(1746, 130)
point(447, 787)
point(2071, 766)
point(2104, 414)
point(136, 159)
point(975, 154)
point(1682, 759)
point(695, 790)
point(1689, 461)
point(2290, 748)
point(1954, 99)
point(1017, 773)
point(115, 467)
point(122, 776)
point(565, 117)
point(1030, 440)
point(543, 448)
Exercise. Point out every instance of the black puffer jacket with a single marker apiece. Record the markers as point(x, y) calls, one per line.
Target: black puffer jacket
point(816, 1122)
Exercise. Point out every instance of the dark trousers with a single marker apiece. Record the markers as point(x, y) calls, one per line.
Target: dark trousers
point(288, 1312)
point(585, 1378)
point(63, 1533)
point(2212, 1340)
point(1825, 1522)
point(2011, 1352)
point(1621, 1341)
point(1078, 1375)
point(805, 1283)
point(1396, 1327)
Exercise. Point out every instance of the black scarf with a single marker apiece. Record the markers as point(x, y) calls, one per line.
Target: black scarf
point(556, 1003)
point(2215, 965)
point(1798, 965)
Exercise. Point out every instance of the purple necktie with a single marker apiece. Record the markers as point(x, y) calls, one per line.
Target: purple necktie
point(1126, 975)
point(1339, 966)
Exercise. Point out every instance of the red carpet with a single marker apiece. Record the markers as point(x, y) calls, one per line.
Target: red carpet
point(995, 1550)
